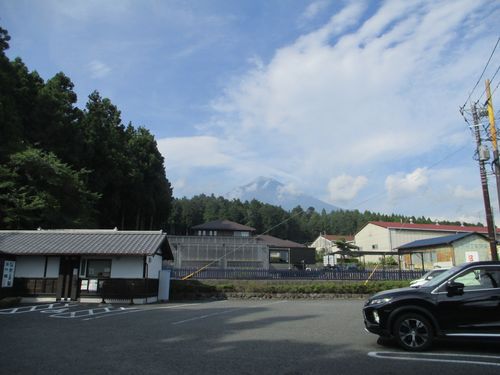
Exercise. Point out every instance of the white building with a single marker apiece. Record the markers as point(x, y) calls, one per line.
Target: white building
point(85, 265)
point(325, 243)
point(388, 236)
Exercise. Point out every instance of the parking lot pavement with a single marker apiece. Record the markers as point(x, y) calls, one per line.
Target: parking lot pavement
point(220, 337)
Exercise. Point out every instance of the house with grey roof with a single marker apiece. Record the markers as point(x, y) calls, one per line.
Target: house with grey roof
point(228, 245)
point(85, 265)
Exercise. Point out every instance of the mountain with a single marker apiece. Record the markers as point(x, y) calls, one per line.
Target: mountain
point(271, 191)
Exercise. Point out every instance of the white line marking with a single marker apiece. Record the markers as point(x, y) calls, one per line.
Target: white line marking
point(422, 357)
point(83, 313)
point(112, 313)
point(26, 309)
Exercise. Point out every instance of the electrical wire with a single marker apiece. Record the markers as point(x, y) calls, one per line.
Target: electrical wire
point(481, 76)
point(491, 80)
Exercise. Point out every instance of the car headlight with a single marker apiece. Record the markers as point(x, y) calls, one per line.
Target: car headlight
point(379, 301)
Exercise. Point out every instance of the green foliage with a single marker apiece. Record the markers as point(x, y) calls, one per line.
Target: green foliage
point(36, 189)
point(195, 289)
point(92, 170)
point(297, 225)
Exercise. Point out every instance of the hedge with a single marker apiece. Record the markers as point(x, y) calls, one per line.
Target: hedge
point(195, 289)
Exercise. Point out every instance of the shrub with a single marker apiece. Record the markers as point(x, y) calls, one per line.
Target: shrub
point(212, 287)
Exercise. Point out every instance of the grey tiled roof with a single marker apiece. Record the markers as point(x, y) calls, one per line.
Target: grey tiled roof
point(278, 242)
point(82, 242)
point(223, 225)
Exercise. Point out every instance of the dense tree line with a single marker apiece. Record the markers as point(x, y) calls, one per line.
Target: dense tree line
point(64, 167)
point(298, 225)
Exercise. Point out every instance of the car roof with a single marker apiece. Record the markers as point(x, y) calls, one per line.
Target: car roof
point(481, 263)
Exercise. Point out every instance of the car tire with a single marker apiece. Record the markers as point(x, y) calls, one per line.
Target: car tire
point(413, 332)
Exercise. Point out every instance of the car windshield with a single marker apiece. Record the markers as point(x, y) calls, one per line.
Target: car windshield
point(439, 278)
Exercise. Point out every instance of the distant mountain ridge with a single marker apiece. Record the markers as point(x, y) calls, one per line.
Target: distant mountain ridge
point(271, 191)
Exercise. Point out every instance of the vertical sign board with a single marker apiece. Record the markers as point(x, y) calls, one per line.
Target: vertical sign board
point(9, 268)
point(471, 256)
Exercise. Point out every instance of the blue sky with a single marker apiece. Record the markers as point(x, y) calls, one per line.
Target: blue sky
point(353, 102)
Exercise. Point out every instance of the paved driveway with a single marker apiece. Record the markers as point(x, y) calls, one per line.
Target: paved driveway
point(220, 337)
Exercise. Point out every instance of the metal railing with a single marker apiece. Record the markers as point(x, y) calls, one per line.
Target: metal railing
point(264, 274)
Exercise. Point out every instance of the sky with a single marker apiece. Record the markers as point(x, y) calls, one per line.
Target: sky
point(356, 103)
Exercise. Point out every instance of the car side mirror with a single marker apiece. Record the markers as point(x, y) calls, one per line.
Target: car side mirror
point(454, 288)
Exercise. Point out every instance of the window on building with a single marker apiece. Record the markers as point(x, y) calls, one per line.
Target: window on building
point(278, 256)
point(98, 268)
point(241, 234)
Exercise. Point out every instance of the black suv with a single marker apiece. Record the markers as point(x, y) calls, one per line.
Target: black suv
point(463, 302)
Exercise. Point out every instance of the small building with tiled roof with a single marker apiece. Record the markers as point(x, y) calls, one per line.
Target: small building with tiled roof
point(389, 236)
point(84, 264)
point(446, 251)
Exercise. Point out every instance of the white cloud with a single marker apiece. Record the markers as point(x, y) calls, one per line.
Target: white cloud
point(406, 185)
point(188, 152)
point(363, 95)
point(314, 9)
point(289, 189)
point(359, 94)
point(344, 188)
point(98, 69)
point(462, 193)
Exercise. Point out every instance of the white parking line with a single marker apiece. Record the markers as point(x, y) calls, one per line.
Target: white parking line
point(431, 357)
point(86, 312)
point(40, 308)
point(223, 312)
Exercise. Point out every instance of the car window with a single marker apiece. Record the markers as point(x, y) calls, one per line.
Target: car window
point(479, 278)
point(433, 274)
point(438, 279)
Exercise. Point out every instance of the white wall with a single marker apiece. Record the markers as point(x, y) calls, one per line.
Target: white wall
point(154, 267)
point(30, 266)
point(373, 238)
point(127, 267)
point(53, 267)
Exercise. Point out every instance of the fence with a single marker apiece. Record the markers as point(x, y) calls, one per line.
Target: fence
point(260, 274)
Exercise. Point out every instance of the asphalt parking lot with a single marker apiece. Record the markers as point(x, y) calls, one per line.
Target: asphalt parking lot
point(219, 337)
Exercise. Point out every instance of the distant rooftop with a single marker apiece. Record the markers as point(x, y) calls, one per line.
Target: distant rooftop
point(337, 237)
point(224, 225)
point(430, 227)
point(278, 242)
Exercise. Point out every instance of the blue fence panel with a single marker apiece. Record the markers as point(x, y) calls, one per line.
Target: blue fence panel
point(262, 274)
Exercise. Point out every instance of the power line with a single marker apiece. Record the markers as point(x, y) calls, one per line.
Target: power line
point(481, 76)
point(491, 80)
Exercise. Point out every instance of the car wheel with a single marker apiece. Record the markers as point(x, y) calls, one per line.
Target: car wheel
point(413, 332)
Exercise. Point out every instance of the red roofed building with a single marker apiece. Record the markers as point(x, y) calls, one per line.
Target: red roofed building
point(388, 236)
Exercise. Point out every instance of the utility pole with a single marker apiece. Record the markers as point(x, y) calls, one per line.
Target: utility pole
point(493, 134)
point(482, 156)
